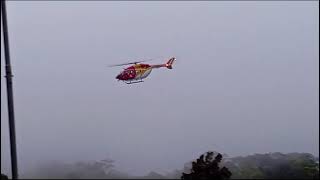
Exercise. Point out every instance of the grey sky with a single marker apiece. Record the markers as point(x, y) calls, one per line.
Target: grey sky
point(246, 81)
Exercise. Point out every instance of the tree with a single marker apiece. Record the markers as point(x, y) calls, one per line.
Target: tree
point(274, 166)
point(207, 167)
point(4, 177)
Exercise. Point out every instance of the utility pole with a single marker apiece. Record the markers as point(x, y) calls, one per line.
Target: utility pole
point(13, 148)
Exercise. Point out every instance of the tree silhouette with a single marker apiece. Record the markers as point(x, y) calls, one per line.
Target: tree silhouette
point(4, 177)
point(205, 167)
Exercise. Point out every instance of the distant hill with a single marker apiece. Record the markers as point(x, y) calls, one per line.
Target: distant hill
point(268, 166)
point(262, 166)
point(274, 165)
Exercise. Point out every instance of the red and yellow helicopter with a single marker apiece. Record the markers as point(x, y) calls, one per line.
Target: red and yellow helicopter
point(139, 71)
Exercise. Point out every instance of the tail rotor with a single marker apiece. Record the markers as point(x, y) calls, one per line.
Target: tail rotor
point(170, 62)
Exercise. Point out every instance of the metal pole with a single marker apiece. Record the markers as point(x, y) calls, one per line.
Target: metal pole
point(13, 148)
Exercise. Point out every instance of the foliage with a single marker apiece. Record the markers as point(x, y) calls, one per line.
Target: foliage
point(207, 168)
point(81, 170)
point(257, 166)
point(274, 165)
point(4, 177)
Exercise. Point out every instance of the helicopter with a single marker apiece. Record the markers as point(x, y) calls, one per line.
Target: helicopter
point(139, 71)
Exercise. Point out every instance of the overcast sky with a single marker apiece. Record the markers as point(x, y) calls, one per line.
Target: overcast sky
point(246, 81)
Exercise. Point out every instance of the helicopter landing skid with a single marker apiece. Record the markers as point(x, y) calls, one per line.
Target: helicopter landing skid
point(133, 82)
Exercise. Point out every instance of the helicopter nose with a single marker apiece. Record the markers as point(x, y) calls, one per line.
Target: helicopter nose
point(118, 77)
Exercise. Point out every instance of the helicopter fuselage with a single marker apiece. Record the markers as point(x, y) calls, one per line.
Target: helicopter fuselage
point(138, 71)
point(135, 72)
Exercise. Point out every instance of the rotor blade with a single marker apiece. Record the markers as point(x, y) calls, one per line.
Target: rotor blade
point(130, 63)
point(122, 64)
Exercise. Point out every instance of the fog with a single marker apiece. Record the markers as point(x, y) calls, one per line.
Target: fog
point(245, 81)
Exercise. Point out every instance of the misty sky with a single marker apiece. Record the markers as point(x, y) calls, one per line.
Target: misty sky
point(246, 81)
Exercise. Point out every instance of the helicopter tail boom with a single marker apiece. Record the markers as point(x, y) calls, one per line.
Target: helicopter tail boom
point(167, 65)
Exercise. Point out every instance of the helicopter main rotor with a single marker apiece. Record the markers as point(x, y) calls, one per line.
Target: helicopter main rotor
point(124, 64)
